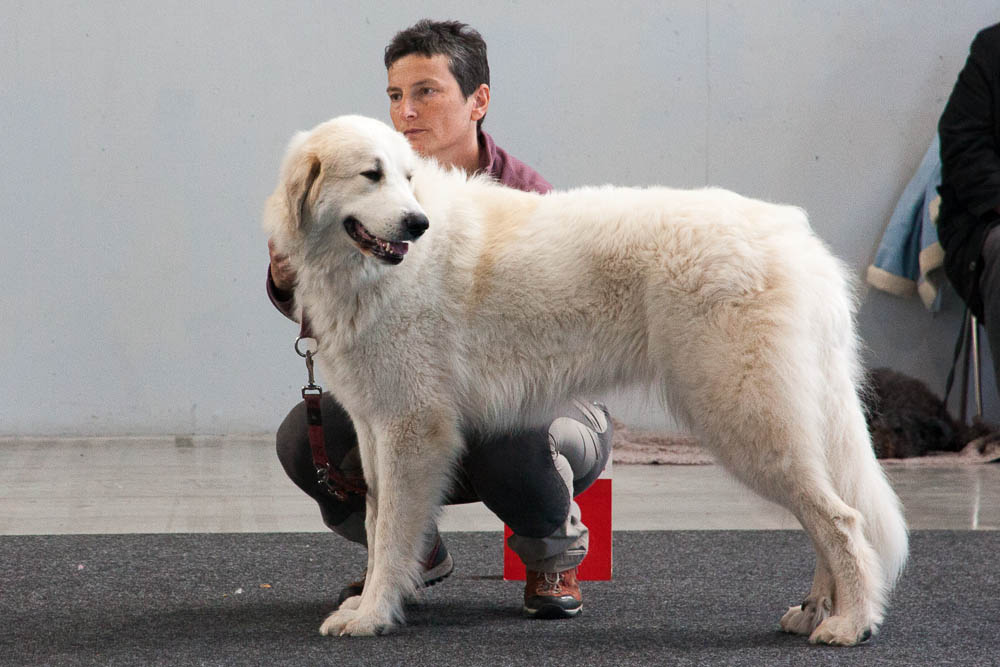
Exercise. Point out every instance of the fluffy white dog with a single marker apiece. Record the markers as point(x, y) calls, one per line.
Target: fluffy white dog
point(442, 303)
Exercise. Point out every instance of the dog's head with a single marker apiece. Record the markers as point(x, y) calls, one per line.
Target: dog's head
point(347, 183)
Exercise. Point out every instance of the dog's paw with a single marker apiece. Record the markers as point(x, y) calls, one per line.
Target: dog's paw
point(840, 631)
point(352, 602)
point(805, 618)
point(351, 622)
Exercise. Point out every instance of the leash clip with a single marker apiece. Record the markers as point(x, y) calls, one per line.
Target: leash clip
point(312, 387)
point(325, 483)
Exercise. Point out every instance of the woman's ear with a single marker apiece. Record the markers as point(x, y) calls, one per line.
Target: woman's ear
point(480, 101)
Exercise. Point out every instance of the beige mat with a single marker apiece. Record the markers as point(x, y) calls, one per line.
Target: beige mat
point(981, 450)
point(634, 446)
point(631, 446)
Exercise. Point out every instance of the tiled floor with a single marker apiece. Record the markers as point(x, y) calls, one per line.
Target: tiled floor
point(235, 484)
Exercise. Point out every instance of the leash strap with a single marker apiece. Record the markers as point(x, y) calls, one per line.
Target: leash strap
point(328, 476)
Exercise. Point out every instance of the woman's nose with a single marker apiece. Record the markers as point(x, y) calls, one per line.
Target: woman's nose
point(408, 109)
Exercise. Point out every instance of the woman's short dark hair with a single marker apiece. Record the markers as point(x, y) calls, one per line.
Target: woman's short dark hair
point(463, 45)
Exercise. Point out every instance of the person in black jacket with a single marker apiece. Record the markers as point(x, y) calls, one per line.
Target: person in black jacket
point(970, 185)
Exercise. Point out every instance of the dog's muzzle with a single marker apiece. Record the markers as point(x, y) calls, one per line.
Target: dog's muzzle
point(390, 252)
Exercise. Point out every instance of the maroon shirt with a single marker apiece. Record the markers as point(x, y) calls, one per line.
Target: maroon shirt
point(507, 169)
point(493, 160)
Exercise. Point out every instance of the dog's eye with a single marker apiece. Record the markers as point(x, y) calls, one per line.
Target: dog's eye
point(409, 177)
point(373, 175)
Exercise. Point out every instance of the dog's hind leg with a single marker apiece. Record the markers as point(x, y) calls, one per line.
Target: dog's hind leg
point(848, 577)
point(765, 424)
point(412, 459)
point(837, 531)
point(849, 574)
point(878, 529)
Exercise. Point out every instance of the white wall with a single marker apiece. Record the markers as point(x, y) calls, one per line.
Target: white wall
point(139, 141)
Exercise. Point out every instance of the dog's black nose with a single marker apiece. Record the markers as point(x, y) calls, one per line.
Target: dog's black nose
point(416, 224)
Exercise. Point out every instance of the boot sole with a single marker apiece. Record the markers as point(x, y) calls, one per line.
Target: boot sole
point(551, 611)
point(440, 573)
point(429, 578)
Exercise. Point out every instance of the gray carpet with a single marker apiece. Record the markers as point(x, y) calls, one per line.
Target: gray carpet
point(678, 598)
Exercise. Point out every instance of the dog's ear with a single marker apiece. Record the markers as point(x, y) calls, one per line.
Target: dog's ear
point(297, 186)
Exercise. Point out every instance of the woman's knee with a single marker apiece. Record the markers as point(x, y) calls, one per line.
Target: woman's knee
point(293, 447)
point(582, 433)
point(295, 454)
point(516, 475)
point(292, 443)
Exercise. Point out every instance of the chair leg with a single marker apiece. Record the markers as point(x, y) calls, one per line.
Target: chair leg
point(966, 349)
point(977, 378)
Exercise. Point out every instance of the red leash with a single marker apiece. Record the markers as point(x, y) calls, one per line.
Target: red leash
point(328, 476)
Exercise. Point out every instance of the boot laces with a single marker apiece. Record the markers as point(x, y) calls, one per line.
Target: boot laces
point(553, 581)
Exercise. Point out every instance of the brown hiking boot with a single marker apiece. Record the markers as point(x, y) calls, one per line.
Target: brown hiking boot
point(552, 594)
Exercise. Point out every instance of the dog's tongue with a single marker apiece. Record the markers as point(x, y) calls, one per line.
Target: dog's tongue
point(399, 248)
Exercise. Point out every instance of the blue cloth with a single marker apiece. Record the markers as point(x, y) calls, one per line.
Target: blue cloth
point(909, 257)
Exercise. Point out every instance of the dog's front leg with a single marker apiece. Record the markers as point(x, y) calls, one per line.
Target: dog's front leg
point(366, 449)
point(371, 521)
point(411, 461)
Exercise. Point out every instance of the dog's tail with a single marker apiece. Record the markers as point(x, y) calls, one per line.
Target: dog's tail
point(863, 485)
point(856, 473)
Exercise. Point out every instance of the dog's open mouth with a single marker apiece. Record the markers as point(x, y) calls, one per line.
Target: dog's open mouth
point(390, 252)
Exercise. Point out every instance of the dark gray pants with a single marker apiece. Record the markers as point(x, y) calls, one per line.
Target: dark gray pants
point(528, 478)
point(989, 288)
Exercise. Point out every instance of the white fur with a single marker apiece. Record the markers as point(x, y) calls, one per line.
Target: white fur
point(512, 302)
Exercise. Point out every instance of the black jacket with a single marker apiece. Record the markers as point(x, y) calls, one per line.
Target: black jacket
point(970, 166)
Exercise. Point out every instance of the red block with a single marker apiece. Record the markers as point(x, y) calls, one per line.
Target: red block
point(595, 510)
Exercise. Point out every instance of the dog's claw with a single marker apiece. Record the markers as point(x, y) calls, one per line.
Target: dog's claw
point(350, 623)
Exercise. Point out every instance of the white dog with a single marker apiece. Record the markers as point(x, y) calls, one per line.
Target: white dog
point(510, 302)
